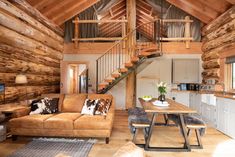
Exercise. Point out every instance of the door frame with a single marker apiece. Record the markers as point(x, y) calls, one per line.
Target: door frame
point(63, 67)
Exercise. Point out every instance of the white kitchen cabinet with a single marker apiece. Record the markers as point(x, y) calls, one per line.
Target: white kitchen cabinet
point(181, 97)
point(195, 102)
point(231, 119)
point(185, 71)
point(208, 113)
point(222, 115)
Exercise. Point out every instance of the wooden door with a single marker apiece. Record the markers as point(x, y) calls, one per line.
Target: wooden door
point(64, 74)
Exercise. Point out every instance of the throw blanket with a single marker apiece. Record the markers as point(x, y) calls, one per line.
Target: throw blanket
point(137, 115)
point(188, 120)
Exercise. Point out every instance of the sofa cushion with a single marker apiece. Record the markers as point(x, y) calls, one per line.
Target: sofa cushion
point(73, 102)
point(95, 122)
point(61, 121)
point(30, 121)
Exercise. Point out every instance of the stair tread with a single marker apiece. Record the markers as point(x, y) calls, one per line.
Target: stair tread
point(129, 65)
point(145, 54)
point(123, 70)
point(134, 59)
point(109, 80)
point(116, 75)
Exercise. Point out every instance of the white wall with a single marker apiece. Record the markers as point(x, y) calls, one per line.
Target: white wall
point(160, 68)
point(117, 91)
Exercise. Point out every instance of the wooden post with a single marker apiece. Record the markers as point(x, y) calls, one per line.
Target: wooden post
point(124, 32)
point(187, 33)
point(76, 32)
point(131, 79)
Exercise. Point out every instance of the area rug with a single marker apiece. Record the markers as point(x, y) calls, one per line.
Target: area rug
point(52, 147)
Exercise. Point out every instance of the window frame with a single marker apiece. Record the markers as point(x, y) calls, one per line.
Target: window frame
point(233, 75)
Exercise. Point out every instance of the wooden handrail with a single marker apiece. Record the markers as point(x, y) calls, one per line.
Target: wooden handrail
point(123, 38)
point(100, 21)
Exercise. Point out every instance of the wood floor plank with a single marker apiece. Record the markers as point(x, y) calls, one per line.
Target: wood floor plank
point(162, 136)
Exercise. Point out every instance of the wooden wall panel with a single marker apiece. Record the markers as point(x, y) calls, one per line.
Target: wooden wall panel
point(29, 44)
point(218, 38)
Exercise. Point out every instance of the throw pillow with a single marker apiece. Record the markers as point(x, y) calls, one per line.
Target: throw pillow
point(44, 106)
point(103, 106)
point(89, 107)
point(51, 106)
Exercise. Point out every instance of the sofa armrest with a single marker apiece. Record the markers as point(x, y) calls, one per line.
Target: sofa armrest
point(21, 112)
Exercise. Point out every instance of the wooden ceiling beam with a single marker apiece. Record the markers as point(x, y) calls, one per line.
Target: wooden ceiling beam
point(199, 15)
point(220, 6)
point(55, 7)
point(72, 11)
point(201, 8)
point(33, 2)
point(231, 1)
point(44, 3)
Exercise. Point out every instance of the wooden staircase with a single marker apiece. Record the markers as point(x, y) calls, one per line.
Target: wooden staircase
point(125, 57)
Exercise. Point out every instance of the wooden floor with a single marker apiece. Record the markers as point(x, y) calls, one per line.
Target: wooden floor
point(215, 143)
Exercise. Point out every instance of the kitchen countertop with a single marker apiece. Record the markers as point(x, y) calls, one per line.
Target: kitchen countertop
point(216, 93)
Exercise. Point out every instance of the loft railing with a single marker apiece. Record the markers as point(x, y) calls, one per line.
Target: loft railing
point(113, 23)
point(126, 49)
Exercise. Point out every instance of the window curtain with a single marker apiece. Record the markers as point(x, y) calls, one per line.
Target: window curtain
point(87, 30)
point(177, 29)
point(230, 60)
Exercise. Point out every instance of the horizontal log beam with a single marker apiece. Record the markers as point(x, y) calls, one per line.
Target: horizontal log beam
point(224, 29)
point(24, 29)
point(10, 8)
point(211, 73)
point(20, 93)
point(215, 63)
point(10, 65)
point(28, 56)
point(99, 21)
point(12, 38)
point(177, 39)
point(27, 8)
point(97, 39)
point(220, 41)
point(33, 80)
point(218, 22)
point(206, 56)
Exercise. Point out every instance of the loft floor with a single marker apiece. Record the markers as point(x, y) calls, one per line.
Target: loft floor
point(215, 143)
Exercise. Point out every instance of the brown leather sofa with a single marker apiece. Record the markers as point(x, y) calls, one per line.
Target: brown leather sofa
point(68, 122)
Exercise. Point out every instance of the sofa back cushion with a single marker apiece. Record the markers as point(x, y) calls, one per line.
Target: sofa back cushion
point(73, 102)
point(100, 96)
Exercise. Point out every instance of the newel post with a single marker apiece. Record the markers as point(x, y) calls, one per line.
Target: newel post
point(187, 33)
point(76, 31)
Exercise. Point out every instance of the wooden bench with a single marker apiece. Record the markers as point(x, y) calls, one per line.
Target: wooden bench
point(138, 119)
point(138, 126)
point(196, 128)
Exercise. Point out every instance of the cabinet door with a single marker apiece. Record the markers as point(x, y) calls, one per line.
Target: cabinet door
point(192, 71)
point(222, 114)
point(198, 103)
point(183, 98)
point(231, 118)
point(185, 71)
point(179, 71)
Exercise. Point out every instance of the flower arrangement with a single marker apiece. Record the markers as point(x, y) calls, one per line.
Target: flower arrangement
point(162, 88)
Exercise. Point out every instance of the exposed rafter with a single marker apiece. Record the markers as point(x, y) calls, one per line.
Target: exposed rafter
point(60, 11)
point(205, 11)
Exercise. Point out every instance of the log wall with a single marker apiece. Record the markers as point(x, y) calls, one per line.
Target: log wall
point(218, 37)
point(29, 44)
